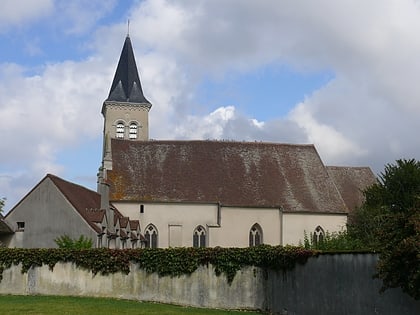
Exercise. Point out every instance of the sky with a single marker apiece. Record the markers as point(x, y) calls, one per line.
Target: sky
point(342, 75)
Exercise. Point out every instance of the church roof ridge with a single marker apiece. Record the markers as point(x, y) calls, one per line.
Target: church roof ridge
point(217, 141)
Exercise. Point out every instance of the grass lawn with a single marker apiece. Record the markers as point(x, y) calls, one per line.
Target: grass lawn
point(64, 305)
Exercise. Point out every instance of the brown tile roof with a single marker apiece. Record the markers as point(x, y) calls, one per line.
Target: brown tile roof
point(124, 222)
point(134, 224)
point(351, 182)
point(232, 173)
point(87, 202)
point(4, 227)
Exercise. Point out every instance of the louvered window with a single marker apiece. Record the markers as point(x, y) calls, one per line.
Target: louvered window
point(133, 131)
point(120, 130)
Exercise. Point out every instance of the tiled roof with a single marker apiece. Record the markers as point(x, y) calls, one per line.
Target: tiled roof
point(232, 173)
point(87, 202)
point(351, 182)
point(4, 227)
point(134, 224)
point(124, 222)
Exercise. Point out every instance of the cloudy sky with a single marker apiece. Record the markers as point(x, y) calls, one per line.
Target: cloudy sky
point(342, 75)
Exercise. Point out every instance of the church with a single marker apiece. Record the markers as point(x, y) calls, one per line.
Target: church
point(198, 193)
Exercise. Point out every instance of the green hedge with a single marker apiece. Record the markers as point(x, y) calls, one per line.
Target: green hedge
point(165, 262)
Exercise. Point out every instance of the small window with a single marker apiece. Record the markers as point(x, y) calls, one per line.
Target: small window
point(199, 237)
point(151, 236)
point(120, 130)
point(318, 236)
point(21, 226)
point(255, 235)
point(141, 208)
point(133, 131)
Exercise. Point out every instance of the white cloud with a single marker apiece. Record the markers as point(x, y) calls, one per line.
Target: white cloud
point(210, 126)
point(80, 16)
point(367, 114)
point(23, 12)
point(333, 144)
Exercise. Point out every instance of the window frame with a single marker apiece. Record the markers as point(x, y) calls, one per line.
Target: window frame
point(151, 235)
point(120, 130)
point(133, 131)
point(255, 235)
point(318, 235)
point(199, 237)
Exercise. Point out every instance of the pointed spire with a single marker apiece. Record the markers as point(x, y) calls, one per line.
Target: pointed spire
point(126, 86)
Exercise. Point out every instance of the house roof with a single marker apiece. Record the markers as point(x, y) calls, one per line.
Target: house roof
point(232, 173)
point(4, 227)
point(87, 202)
point(126, 86)
point(351, 182)
point(124, 222)
point(134, 224)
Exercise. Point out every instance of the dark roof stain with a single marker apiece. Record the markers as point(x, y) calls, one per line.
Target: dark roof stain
point(351, 182)
point(126, 86)
point(231, 173)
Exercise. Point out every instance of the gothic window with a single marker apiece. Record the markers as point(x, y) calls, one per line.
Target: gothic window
point(133, 131)
point(318, 235)
point(255, 235)
point(199, 237)
point(151, 236)
point(120, 130)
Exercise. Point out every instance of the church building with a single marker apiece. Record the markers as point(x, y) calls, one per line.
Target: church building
point(201, 193)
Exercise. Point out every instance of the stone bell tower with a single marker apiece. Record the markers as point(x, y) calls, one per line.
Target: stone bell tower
point(126, 110)
point(126, 116)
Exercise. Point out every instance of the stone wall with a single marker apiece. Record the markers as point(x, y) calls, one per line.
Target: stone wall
point(329, 284)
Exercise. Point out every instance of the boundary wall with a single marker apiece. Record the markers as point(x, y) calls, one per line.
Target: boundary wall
point(328, 284)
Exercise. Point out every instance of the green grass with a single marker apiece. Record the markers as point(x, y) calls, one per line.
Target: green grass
point(65, 305)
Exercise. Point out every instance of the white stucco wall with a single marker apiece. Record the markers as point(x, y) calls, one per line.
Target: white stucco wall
point(176, 222)
point(294, 225)
point(236, 223)
point(180, 218)
point(47, 215)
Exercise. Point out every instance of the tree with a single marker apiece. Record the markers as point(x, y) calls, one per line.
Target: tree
point(389, 221)
point(67, 242)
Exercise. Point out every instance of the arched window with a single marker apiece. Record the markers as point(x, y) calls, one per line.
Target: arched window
point(120, 130)
point(133, 131)
point(199, 237)
point(255, 235)
point(318, 236)
point(151, 236)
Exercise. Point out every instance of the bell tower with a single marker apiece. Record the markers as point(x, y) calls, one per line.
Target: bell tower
point(126, 110)
point(126, 117)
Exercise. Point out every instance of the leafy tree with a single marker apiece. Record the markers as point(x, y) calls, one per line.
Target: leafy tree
point(335, 241)
point(67, 242)
point(389, 221)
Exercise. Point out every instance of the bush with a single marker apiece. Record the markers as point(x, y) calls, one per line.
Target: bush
point(67, 242)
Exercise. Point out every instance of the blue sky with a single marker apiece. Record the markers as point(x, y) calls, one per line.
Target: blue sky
point(223, 69)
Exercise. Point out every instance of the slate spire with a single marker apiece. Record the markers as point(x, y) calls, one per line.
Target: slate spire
point(126, 86)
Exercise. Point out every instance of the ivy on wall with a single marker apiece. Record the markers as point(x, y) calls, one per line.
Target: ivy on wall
point(165, 262)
